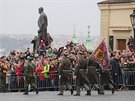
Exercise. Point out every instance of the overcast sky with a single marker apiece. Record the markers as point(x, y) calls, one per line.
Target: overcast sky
point(21, 16)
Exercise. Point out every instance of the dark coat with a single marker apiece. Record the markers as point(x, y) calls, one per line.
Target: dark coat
point(115, 67)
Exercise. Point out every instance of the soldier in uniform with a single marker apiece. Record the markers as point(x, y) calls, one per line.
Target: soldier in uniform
point(64, 74)
point(92, 73)
point(3, 70)
point(81, 76)
point(106, 79)
point(29, 76)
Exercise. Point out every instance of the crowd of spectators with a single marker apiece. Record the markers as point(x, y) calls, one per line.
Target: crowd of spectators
point(47, 63)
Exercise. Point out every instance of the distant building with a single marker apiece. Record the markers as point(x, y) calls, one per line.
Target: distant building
point(115, 22)
point(74, 39)
point(89, 43)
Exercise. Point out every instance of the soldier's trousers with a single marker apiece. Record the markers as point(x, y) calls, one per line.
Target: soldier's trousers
point(31, 81)
point(93, 76)
point(106, 79)
point(64, 82)
point(82, 78)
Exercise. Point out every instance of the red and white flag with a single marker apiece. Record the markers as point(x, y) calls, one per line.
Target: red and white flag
point(101, 55)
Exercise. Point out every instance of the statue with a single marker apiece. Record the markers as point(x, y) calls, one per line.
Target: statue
point(42, 24)
point(42, 32)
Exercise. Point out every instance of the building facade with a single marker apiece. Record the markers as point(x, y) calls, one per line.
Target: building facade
point(115, 23)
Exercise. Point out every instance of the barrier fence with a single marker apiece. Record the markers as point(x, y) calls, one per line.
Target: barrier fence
point(127, 79)
point(16, 83)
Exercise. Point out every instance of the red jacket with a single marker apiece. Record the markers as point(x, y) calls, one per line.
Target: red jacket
point(19, 74)
point(53, 73)
point(19, 71)
point(39, 72)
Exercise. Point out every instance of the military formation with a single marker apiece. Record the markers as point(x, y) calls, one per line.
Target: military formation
point(86, 72)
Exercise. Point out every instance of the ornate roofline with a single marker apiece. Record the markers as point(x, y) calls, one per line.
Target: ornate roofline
point(115, 1)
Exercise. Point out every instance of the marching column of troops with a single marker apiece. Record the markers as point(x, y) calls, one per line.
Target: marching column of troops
point(84, 73)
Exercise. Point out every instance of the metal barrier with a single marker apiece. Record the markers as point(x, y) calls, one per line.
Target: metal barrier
point(16, 83)
point(127, 79)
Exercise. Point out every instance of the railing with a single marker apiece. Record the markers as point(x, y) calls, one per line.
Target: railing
point(127, 79)
point(16, 83)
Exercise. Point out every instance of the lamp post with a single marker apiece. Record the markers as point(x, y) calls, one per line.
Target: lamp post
point(132, 18)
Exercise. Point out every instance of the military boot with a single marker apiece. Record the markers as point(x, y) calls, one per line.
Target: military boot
point(61, 90)
point(78, 91)
point(25, 93)
point(88, 93)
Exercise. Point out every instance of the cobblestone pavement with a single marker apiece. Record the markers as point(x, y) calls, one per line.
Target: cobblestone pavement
point(52, 96)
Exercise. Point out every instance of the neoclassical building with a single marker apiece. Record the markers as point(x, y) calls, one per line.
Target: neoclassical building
point(115, 23)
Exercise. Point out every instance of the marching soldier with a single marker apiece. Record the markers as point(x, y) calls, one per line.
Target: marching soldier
point(64, 74)
point(3, 70)
point(80, 75)
point(106, 79)
point(29, 71)
point(92, 73)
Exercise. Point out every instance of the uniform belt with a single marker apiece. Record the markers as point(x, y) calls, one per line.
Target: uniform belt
point(81, 69)
point(66, 70)
point(91, 66)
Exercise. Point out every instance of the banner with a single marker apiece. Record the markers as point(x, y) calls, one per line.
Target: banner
point(100, 55)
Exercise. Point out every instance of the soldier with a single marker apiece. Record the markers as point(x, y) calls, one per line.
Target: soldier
point(80, 74)
point(64, 74)
point(3, 70)
point(106, 79)
point(29, 78)
point(92, 73)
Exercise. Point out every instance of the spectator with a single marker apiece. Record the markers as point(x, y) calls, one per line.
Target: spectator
point(116, 72)
point(19, 74)
point(130, 43)
point(53, 75)
point(41, 48)
point(35, 44)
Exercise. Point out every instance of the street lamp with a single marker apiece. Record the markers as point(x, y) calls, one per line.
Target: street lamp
point(132, 18)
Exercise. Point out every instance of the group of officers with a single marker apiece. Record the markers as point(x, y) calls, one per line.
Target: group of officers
point(85, 73)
